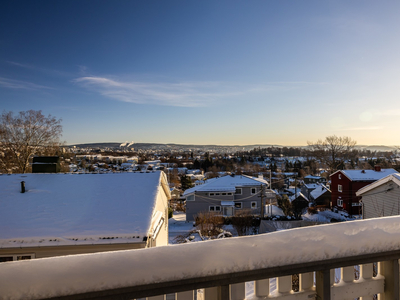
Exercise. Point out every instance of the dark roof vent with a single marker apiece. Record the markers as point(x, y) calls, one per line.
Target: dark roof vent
point(22, 186)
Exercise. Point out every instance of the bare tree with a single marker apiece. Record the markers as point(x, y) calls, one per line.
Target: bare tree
point(333, 151)
point(25, 134)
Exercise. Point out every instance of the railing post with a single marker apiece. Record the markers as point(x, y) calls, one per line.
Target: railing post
point(306, 281)
point(238, 291)
point(284, 284)
point(323, 284)
point(217, 293)
point(390, 270)
point(347, 274)
point(367, 271)
point(223, 292)
point(261, 288)
point(160, 297)
point(188, 295)
point(211, 293)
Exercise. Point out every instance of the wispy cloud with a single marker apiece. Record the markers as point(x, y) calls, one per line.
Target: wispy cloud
point(185, 94)
point(21, 85)
point(26, 66)
point(363, 128)
point(40, 69)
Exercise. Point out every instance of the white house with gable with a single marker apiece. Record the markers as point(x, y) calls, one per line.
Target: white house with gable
point(381, 198)
point(62, 214)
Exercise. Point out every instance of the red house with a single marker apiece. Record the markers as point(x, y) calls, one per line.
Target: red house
point(345, 184)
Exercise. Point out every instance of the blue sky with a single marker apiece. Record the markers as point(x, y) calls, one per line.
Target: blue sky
point(205, 72)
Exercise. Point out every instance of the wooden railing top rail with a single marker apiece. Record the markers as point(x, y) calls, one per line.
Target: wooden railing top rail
point(147, 272)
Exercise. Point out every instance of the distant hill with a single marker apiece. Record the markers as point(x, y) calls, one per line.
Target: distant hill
point(159, 146)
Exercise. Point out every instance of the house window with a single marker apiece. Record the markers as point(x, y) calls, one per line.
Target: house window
point(211, 194)
point(5, 258)
point(253, 191)
point(340, 176)
point(238, 205)
point(254, 204)
point(339, 188)
point(229, 194)
point(340, 202)
point(214, 208)
point(190, 198)
point(238, 191)
point(223, 194)
point(216, 194)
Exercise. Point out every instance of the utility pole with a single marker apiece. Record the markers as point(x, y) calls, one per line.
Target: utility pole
point(262, 200)
point(270, 187)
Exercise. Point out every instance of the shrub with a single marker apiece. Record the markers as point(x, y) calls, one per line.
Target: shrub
point(209, 223)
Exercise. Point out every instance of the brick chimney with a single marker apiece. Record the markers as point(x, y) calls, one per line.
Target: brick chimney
point(377, 168)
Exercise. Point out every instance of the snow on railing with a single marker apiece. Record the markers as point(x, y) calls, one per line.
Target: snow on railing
point(223, 266)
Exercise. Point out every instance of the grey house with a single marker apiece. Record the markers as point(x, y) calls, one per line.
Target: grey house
point(381, 198)
point(227, 195)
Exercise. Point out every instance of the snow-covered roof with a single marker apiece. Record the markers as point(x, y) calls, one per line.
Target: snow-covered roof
point(72, 209)
point(366, 175)
point(298, 195)
point(313, 177)
point(319, 190)
point(226, 184)
point(311, 185)
point(392, 177)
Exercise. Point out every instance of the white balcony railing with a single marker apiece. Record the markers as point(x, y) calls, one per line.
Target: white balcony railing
point(219, 270)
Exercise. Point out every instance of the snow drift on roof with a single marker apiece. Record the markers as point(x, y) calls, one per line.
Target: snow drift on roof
point(367, 175)
point(226, 184)
point(76, 208)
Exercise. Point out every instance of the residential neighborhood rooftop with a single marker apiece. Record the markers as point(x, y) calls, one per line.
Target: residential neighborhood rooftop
point(366, 175)
point(392, 177)
point(226, 183)
point(72, 209)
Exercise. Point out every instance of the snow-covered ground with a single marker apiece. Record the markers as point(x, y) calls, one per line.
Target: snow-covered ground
point(326, 216)
point(177, 225)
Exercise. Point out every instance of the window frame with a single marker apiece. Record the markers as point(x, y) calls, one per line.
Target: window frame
point(238, 205)
point(255, 190)
point(214, 208)
point(255, 206)
point(15, 256)
point(340, 188)
point(238, 189)
point(190, 196)
point(340, 202)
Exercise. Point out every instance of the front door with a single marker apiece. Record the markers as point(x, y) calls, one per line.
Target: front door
point(228, 211)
